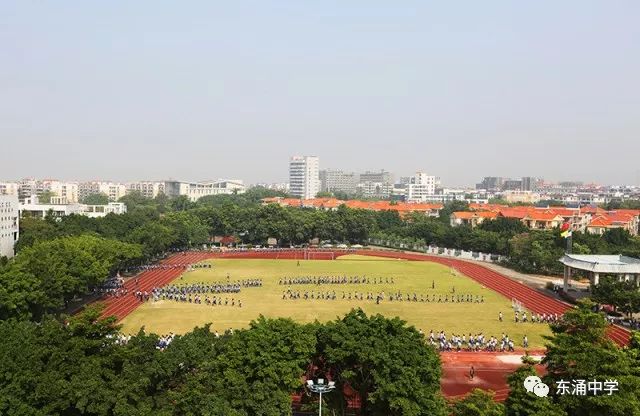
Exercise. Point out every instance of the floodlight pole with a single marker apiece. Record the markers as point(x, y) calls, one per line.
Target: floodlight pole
point(320, 388)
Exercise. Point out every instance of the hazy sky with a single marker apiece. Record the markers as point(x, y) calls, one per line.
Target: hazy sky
point(199, 90)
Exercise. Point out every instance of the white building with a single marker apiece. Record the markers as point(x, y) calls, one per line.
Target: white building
point(148, 189)
point(113, 190)
point(9, 188)
point(28, 187)
point(378, 184)
point(338, 181)
point(32, 207)
point(421, 187)
point(9, 224)
point(96, 211)
point(375, 189)
point(196, 190)
point(304, 176)
point(68, 191)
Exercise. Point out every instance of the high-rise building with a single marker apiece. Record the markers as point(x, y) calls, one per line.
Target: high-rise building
point(491, 183)
point(9, 224)
point(375, 189)
point(26, 188)
point(376, 184)
point(338, 181)
point(512, 185)
point(421, 187)
point(304, 176)
point(529, 183)
point(381, 177)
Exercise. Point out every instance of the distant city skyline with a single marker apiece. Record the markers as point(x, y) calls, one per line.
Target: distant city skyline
point(397, 179)
point(231, 90)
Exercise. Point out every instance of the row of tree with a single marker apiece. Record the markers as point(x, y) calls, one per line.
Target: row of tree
point(162, 223)
point(79, 367)
point(44, 277)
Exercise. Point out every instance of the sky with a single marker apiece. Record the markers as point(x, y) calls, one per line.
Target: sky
point(198, 90)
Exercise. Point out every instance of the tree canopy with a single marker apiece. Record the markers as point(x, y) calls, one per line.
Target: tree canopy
point(96, 199)
point(45, 276)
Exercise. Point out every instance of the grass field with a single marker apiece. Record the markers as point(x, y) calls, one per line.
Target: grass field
point(462, 318)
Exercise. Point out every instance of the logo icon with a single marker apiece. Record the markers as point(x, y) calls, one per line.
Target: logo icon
point(533, 384)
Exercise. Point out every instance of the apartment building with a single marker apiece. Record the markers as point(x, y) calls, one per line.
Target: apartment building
point(9, 224)
point(420, 187)
point(113, 190)
point(9, 188)
point(304, 176)
point(338, 181)
point(148, 189)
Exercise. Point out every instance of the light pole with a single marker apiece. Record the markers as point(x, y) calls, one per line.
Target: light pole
point(320, 388)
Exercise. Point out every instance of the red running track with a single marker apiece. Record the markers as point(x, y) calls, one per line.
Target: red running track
point(122, 306)
point(530, 298)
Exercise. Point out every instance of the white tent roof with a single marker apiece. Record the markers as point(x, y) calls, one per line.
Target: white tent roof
point(602, 263)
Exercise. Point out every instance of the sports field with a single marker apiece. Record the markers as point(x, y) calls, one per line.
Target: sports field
point(410, 277)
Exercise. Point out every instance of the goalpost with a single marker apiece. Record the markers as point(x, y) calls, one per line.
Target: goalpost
point(319, 255)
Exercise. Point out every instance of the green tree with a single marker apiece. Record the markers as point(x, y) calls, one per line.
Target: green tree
point(477, 403)
point(252, 372)
point(617, 237)
point(390, 366)
point(188, 229)
point(154, 238)
point(180, 203)
point(579, 349)
point(35, 229)
point(45, 197)
point(96, 199)
point(45, 276)
point(523, 403)
point(505, 226)
point(623, 296)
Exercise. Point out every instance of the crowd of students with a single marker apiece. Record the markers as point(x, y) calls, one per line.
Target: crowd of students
point(176, 292)
point(112, 287)
point(334, 280)
point(379, 297)
point(476, 342)
point(210, 301)
point(541, 318)
point(163, 341)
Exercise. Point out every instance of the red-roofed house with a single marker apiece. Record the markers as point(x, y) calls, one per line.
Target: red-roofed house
point(471, 218)
point(515, 212)
point(613, 219)
point(575, 217)
point(545, 220)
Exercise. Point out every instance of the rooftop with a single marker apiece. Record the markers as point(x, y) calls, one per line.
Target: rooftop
point(600, 263)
